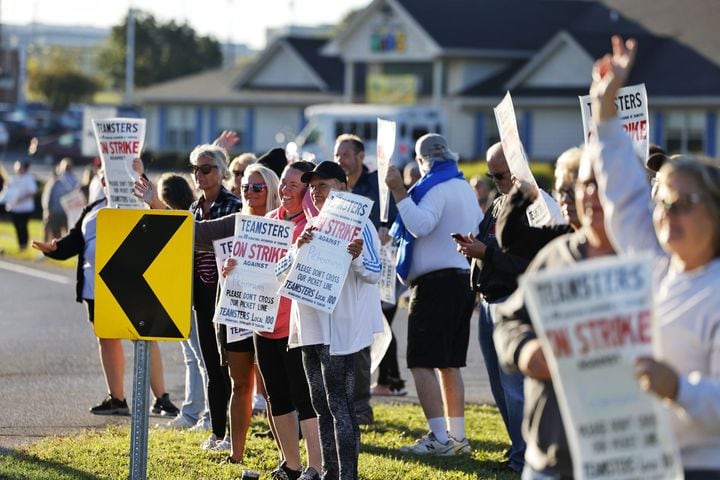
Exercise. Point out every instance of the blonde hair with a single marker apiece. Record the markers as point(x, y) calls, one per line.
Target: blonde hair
point(567, 166)
point(271, 180)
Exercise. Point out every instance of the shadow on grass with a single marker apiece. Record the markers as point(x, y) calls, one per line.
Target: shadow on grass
point(15, 465)
point(413, 434)
point(462, 464)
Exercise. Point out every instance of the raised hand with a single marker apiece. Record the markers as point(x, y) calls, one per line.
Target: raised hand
point(146, 191)
point(609, 74)
point(227, 140)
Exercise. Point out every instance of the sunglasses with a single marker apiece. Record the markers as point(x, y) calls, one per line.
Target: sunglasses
point(256, 187)
point(681, 204)
point(497, 176)
point(238, 173)
point(204, 169)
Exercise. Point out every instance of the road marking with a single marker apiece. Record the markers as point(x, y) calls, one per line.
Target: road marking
point(13, 267)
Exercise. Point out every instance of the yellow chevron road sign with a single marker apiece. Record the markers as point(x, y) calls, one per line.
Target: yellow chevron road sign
point(143, 274)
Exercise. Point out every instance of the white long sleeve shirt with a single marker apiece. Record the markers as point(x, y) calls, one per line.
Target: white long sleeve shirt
point(448, 207)
point(687, 304)
point(357, 315)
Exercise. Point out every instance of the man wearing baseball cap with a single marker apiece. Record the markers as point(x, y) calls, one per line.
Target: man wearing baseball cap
point(330, 340)
point(440, 204)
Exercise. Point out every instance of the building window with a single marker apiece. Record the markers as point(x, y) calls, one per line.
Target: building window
point(179, 133)
point(232, 118)
point(685, 132)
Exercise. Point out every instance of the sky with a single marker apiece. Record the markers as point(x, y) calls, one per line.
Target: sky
point(238, 21)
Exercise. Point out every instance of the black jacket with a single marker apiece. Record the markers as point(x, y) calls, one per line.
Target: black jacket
point(495, 276)
point(547, 448)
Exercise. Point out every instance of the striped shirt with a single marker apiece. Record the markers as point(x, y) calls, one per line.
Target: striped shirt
point(225, 204)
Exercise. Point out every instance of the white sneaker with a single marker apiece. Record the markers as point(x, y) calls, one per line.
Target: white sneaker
point(460, 447)
point(210, 442)
point(429, 445)
point(202, 424)
point(178, 422)
point(223, 445)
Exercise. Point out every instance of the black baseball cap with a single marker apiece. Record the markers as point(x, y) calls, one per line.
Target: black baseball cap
point(327, 170)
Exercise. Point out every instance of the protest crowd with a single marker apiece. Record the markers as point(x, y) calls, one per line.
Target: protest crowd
point(615, 226)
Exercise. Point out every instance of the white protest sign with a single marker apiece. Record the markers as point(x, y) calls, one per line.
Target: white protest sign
point(88, 144)
point(632, 110)
point(595, 319)
point(223, 251)
point(248, 297)
point(538, 213)
point(385, 148)
point(320, 267)
point(73, 203)
point(388, 274)
point(120, 140)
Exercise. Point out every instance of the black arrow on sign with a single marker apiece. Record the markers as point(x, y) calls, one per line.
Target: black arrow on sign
point(123, 274)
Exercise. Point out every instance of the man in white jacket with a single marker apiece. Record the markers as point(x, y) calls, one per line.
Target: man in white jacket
point(329, 340)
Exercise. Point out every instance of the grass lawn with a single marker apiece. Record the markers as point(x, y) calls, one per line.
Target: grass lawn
point(104, 454)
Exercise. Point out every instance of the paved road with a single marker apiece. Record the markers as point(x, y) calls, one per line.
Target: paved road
point(49, 369)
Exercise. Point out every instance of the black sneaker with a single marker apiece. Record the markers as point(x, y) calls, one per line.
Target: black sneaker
point(310, 474)
point(282, 472)
point(163, 406)
point(111, 406)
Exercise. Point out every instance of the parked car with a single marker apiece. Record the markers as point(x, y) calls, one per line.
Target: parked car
point(20, 126)
point(54, 147)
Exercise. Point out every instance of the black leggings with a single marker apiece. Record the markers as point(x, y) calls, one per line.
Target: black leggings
point(332, 380)
point(282, 371)
point(388, 370)
point(218, 387)
point(20, 220)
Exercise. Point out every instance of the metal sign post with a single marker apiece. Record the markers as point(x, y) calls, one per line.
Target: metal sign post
point(139, 423)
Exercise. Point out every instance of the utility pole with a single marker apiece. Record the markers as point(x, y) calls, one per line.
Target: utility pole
point(130, 59)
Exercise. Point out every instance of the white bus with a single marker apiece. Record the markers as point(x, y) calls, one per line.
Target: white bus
point(327, 122)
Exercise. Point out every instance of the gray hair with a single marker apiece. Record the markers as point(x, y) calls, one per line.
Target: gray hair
point(707, 177)
point(217, 154)
point(433, 146)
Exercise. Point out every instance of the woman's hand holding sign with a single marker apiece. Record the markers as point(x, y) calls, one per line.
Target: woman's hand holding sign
point(305, 237)
point(228, 267)
point(355, 247)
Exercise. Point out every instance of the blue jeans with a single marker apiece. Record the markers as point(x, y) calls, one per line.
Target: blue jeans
point(507, 389)
point(195, 404)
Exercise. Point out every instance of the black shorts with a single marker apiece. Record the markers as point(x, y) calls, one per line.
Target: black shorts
point(284, 377)
point(244, 345)
point(441, 304)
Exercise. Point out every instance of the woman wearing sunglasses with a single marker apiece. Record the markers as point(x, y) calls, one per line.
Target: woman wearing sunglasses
point(682, 231)
point(209, 167)
point(281, 369)
point(259, 188)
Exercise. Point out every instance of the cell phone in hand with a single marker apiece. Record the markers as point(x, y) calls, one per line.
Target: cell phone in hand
point(459, 237)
